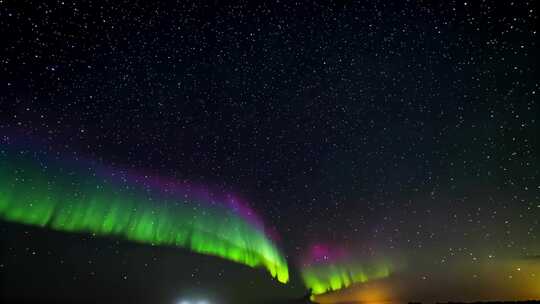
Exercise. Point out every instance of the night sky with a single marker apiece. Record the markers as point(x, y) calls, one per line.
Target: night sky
point(396, 140)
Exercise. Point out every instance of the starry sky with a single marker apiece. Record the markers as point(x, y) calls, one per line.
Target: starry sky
point(397, 131)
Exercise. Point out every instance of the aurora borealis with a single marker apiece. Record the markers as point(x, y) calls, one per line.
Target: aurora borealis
point(269, 152)
point(35, 190)
point(326, 268)
point(331, 277)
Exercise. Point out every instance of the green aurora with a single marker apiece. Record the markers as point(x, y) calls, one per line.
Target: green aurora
point(323, 278)
point(43, 192)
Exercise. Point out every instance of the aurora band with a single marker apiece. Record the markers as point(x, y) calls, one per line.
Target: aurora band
point(82, 197)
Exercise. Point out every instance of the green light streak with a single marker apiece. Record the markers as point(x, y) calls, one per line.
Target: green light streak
point(324, 278)
point(66, 199)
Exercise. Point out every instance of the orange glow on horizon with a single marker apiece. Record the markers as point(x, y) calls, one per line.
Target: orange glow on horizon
point(372, 292)
point(499, 280)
